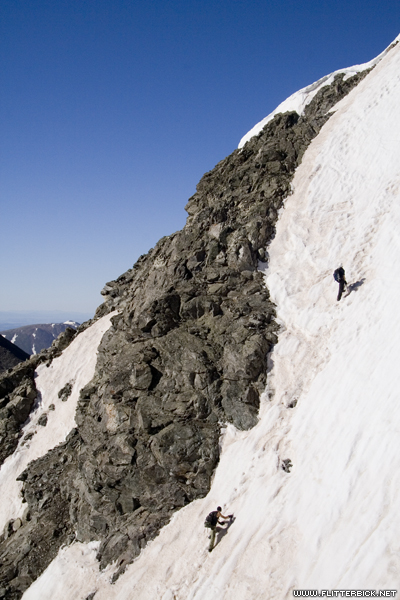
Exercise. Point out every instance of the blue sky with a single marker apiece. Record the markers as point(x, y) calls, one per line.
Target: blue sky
point(112, 110)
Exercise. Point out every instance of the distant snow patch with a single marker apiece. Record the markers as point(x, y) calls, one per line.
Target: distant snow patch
point(13, 338)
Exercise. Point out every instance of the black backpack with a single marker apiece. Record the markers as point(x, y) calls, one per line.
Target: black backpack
point(338, 274)
point(211, 519)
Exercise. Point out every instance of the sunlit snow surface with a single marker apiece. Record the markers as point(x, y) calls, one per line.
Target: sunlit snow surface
point(76, 366)
point(333, 522)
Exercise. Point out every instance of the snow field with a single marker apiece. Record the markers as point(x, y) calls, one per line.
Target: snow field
point(60, 581)
point(344, 431)
point(332, 522)
point(76, 366)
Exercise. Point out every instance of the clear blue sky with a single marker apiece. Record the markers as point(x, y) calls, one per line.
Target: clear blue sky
point(112, 110)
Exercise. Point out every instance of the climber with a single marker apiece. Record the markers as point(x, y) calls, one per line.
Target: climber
point(338, 276)
point(212, 521)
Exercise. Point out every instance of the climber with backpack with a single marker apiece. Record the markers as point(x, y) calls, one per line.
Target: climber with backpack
point(212, 520)
point(339, 276)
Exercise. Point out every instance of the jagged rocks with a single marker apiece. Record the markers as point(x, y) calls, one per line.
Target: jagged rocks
point(17, 397)
point(187, 352)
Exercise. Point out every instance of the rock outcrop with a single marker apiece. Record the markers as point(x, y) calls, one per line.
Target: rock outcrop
point(186, 353)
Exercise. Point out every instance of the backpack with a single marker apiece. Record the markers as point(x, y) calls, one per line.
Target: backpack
point(338, 274)
point(211, 519)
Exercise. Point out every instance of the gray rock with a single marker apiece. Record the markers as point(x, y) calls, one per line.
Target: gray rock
point(65, 392)
point(142, 377)
point(42, 420)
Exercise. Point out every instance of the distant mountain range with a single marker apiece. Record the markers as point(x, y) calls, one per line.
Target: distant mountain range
point(10, 355)
point(34, 338)
point(11, 319)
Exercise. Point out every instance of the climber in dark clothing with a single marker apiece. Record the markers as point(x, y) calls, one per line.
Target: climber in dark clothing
point(339, 276)
point(212, 520)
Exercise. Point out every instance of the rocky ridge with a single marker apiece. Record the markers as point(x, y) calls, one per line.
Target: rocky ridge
point(186, 353)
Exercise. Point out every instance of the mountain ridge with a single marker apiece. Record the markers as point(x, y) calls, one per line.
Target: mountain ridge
point(34, 338)
point(164, 455)
point(191, 339)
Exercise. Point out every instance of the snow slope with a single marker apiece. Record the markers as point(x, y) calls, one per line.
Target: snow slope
point(76, 366)
point(332, 522)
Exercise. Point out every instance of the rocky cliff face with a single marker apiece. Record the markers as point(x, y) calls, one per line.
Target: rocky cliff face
point(186, 353)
